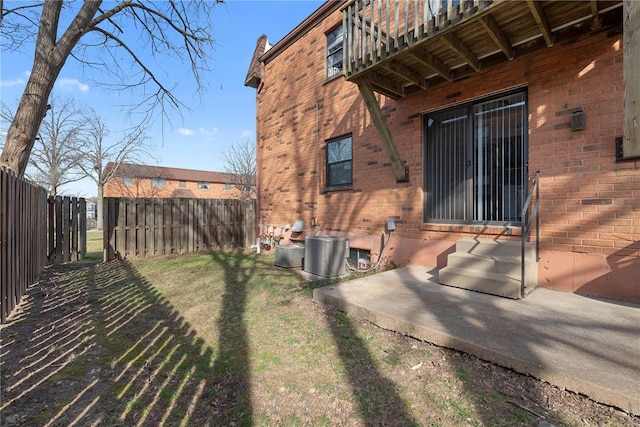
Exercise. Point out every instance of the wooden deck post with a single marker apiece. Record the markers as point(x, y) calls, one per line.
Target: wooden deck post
point(631, 77)
point(383, 130)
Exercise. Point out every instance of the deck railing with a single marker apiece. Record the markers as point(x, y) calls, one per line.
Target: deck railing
point(376, 29)
point(528, 215)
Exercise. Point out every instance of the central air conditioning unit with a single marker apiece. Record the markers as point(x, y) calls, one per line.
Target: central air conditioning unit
point(325, 255)
point(289, 256)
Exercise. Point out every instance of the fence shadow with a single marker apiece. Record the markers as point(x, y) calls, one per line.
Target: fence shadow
point(117, 352)
point(96, 344)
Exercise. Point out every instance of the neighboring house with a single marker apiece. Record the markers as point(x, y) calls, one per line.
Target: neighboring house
point(438, 114)
point(92, 210)
point(132, 180)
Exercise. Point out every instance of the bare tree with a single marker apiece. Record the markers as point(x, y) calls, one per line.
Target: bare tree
point(170, 30)
point(130, 147)
point(241, 164)
point(59, 146)
point(6, 116)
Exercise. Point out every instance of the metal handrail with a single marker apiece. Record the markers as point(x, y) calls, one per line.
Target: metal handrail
point(527, 219)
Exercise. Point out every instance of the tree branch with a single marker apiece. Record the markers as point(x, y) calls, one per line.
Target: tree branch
point(79, 26)
point(107, 15)
point(160, 25)
point(145, 69)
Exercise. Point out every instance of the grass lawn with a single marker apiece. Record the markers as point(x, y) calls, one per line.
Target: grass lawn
point(228, 339)
point(273, 357)
point(94, 245)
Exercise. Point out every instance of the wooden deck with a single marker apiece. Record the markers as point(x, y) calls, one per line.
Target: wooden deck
point(400, 47)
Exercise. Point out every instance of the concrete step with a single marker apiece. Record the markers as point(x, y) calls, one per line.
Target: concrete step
point(490, 266)
point(480, 281)
point(509, 266)
point(504, 249)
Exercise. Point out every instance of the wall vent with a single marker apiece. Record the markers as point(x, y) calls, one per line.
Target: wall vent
point(298, 227)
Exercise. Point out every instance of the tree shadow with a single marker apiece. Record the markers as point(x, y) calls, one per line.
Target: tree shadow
point(623, 271)
point(545, 337)
point(378, 398)
point(232, 367)
point(516, 334)
point(96, 344)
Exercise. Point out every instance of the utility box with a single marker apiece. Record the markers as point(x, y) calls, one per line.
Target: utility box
point(289, 256)
point(325, 255)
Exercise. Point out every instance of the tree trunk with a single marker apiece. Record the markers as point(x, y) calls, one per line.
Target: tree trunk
point(47, 63)
point(33, 103)
point(99, 204)
point(24, 127)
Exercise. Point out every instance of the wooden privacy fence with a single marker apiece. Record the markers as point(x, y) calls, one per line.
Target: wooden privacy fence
point(67, 236)
point(146, 227)
point(23, 246)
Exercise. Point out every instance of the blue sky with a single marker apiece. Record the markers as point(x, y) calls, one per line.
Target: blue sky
point(221, 116)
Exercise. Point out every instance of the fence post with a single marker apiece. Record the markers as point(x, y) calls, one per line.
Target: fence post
point(74, 229)
point(66, 229)
point(58, 229)
point(108, 229)
point(82, 222)
point(51, 228)
point(191, 225)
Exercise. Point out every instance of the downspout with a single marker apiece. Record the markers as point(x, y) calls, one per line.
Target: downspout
point(318, 184)
point(257, 219)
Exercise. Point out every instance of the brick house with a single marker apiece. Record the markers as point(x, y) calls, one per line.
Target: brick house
point(438, 115)
point(131, 180)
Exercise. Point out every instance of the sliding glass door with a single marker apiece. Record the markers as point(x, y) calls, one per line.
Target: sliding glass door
point(475, 161)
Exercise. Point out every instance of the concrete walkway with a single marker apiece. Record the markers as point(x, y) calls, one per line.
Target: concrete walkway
point(585, 345)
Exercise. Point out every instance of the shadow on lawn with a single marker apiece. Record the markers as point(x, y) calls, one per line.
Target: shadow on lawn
point(378, 398)
point(231, 369)
point(96, 344)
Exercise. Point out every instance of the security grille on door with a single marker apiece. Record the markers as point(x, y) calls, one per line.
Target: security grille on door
point(476, 161)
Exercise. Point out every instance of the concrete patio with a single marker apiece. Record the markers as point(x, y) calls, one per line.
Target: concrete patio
point(585, 345)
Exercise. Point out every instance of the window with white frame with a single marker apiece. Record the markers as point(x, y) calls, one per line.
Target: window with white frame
point(158, 182)
point(202, 185)
point(339, 162)
point(334, 52)
point(127, 181)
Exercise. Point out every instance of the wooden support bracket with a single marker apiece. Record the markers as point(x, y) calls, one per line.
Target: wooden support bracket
point(631, 78)
point(402, 174)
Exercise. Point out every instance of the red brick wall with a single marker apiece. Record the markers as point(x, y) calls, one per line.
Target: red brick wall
point(590, 204)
